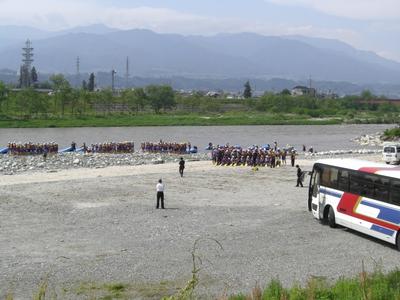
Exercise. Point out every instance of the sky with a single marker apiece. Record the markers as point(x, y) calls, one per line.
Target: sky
point(365, 24)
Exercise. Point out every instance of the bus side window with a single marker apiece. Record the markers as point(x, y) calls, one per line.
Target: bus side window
point(381, 189)
point(343, 181)
point(395, 192)
point(330, 177)
point(368, 186)
point(355, 185)
point(334, 178)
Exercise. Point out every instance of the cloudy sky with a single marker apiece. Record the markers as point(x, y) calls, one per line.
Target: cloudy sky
point(366, 24)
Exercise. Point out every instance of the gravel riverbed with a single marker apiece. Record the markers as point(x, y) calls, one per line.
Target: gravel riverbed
point(100, 225)
point(12, 164)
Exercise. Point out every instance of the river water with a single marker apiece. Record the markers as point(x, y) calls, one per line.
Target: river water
point(322, 138)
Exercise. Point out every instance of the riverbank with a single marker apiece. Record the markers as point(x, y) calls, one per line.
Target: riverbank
point(168, 120)
point(89, 227)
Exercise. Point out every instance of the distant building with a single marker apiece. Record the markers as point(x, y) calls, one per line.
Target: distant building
point(213, 94)
point(303, 91)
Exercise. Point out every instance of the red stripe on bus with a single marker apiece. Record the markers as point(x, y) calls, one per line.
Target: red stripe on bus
point(373, 170)
point(347, 206)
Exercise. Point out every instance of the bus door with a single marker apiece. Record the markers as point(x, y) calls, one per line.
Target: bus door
point(314, 195)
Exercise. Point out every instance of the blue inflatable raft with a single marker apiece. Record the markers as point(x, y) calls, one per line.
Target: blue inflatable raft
point(65, 150)
point(4, 150)
point(192, 150)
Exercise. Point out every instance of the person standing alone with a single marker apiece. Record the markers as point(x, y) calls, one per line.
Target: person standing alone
point(181, 166)
point(160, 194)
point(292, 157)
point(299, 176)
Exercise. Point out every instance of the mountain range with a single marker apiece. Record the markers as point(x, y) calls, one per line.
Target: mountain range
point(241, 55)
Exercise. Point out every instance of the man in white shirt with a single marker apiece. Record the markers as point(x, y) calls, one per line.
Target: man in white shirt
point(160, 194)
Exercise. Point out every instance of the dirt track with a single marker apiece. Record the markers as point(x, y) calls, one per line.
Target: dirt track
point(101, 225)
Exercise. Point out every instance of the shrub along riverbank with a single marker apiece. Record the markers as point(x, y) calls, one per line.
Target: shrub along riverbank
point(392, 134)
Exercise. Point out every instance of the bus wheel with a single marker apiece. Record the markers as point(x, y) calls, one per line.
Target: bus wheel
point(398, 241)
point(331, 218)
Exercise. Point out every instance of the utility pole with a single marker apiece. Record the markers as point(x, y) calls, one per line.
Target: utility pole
point(78, 73)
point(127, 73)
point(113, 72)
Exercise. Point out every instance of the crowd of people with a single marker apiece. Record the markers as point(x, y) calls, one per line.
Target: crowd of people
point(32, 148)
point(253, 156)
point(166, 147)
point(110, 147)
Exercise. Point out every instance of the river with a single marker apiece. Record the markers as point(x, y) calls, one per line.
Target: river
point(322, 138)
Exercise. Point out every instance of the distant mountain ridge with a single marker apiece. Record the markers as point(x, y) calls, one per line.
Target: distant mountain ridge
point(221, 56)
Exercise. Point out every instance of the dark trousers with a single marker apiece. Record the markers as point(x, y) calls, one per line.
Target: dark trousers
point(292, 161)
point(299, 182)
point(160, 196)
point(181, 171)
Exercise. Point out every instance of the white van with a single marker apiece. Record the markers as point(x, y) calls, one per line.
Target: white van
point(391, 153)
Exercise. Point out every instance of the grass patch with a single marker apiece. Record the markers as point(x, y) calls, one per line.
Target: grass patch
point(106, 291)
point(374, 286)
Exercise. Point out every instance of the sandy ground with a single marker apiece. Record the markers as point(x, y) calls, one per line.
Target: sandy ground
point(101, 226)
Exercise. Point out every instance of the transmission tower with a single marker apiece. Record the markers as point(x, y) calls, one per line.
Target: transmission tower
point(27, 54)
point(127, 73)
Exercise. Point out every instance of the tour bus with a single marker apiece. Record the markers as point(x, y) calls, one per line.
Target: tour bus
point(361, 195)
point(391, 153)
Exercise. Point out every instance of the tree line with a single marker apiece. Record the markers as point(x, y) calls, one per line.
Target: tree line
point(65, 101)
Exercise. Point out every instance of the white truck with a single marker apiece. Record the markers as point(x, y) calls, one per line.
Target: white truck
point(391, 153)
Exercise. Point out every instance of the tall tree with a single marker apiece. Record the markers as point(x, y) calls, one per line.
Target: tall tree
point(62, 90)
point(106, 99)
point(24, 77)
point(84, 85)
point(34, 75)
point(85, 99)
point(91, 84)
point(136, 99)
point(247, 90)
point(37, 102)
point(3, 94)
point(160, 97)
